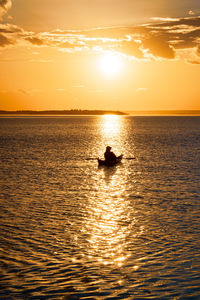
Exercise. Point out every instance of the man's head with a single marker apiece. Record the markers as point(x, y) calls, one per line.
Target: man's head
point(108, 148)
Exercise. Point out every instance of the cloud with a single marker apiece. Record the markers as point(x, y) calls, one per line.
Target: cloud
point(198, 50)
point(190, 21)
point(141, 89)
point(191, 13)
point(185, 43)
point(10, 28)
point(28, 92)
point(35, 91)
point(159, 47)
point(4, 41)
point(78, 86)
point(130, 48)
point(41, 61)
point(35, 41)
point(22, 91)
point(101, 32)
point(67, 45)
point(163, 38)
point(5, 5)
point(194, 62)
point(165, 19)
point(60, 90)
point(181, 34)
point(9, 34)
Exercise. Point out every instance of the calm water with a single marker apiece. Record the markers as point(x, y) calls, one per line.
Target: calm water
point(71, 230)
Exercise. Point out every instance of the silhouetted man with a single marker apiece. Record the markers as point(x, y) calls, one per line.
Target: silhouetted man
point(110, 157)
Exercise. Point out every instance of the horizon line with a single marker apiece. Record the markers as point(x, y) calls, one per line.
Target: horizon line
point(99, 112)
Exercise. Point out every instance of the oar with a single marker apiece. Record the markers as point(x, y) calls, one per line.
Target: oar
point(91, 158)
point(128, 158)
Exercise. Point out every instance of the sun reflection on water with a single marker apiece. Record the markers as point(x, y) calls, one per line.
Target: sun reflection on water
point(108, 232)
point(111, 130)
point(108, 225)
point(111, 125)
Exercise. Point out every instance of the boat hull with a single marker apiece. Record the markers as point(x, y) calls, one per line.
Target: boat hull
point(110, 163)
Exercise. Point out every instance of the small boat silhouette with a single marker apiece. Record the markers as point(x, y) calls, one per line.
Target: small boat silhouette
point(110, 163)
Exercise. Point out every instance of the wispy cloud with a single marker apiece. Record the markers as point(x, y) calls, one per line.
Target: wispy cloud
point(194, 62)
point(141, 90)
point(10, 34)
point(60, 90)
point(35, 40)
point(130, 48)
point(41, 61)
point(24, 92)
point(158, 46)
point(165, 19)
point(28, 92)
point(191, 13)
point(78, 86)
point(5, 5)
point(10, 28)
point(4, 41)
point(198, 50)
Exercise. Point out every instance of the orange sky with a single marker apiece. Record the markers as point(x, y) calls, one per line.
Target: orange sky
point(119, 55)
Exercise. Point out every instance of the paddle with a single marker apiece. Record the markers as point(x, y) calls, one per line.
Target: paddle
point(128, 158)
point(90, 158)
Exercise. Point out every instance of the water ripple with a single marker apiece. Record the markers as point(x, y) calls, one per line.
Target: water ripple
point(72, 231)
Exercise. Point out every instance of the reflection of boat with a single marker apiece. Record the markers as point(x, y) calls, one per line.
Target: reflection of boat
point(110, 163)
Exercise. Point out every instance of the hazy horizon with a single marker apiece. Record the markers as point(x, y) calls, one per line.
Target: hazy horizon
point(103, 111)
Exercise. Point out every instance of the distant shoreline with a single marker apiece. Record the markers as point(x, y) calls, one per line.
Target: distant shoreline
point(71, 112)
point(79, 112)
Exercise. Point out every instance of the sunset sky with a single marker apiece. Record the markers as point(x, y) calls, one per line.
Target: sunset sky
point(108, 54)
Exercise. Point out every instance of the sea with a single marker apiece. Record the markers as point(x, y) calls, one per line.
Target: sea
point(72, 230)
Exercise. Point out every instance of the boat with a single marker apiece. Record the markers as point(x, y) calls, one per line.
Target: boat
point(110, 163)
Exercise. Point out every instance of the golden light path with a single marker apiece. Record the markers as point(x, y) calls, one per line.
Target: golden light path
point(107, 225)
point(111, 126)
point(107, 239)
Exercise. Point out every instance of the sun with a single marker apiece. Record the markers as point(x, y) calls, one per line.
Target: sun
point(110, 64)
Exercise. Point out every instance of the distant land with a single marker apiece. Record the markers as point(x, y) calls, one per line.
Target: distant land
point(101, 112)
point(61, 112)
